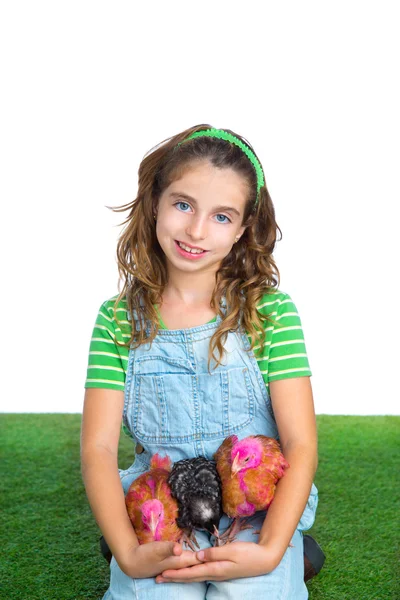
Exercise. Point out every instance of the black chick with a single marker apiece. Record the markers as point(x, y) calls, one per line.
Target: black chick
point(196, 485)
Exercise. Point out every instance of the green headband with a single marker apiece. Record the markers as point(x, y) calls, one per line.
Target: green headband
point(223, 135)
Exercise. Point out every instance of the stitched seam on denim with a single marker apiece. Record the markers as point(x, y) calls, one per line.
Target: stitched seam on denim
point(178, 362)
point(225, 402)
point(196, 408)
point(135, 589)
point(136, 407)
point(145, 465)
point(250, 394)
point(128, 384)
point(285, 587)
point(258, 374)
point(161, 404)
point(192, 330)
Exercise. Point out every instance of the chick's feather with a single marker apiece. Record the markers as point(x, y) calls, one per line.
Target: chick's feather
point(249, 471)
point(196, 485)
point(151, 508)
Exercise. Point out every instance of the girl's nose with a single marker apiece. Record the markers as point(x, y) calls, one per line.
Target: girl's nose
point(197, 229)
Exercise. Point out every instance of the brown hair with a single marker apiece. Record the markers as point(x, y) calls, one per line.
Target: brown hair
point(249, 270)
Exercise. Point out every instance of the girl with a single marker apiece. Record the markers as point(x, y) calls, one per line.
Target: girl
point(200, 344)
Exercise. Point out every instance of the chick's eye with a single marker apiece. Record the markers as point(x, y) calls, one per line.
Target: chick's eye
point(247, 459)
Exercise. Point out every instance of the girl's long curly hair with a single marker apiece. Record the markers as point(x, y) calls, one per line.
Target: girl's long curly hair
point(244, 276)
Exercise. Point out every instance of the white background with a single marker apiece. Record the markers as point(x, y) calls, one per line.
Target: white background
point(89, 87)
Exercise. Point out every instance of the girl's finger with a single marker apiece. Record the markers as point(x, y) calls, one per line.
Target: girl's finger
point(160, 579)
point(211, 554)
point(185, 573)
point(177, 563)
point(215, 569)
point(177, 549)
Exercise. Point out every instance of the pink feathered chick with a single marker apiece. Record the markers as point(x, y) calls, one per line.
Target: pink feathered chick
point(151, 508)
point(249, 470)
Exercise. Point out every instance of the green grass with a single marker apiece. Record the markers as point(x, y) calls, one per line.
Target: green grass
point(50, 539)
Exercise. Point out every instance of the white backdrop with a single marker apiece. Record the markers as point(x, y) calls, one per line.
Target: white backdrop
point(90, 86)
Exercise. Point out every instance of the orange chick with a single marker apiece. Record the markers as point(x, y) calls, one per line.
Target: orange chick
point(151, 508)
point(249, 470)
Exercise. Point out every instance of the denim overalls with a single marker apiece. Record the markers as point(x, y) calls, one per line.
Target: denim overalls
point(174, 406)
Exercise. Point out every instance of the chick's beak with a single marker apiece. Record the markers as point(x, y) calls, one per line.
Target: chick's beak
point(235, 466)
point(153, 524)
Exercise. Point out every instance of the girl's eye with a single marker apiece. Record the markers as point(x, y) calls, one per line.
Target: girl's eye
point(225, 217)
point(184, 203)
point(183, 206)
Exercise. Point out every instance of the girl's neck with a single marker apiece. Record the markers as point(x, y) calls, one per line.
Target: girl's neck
point(189, 289)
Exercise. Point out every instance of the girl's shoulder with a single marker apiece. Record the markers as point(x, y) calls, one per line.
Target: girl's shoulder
point(114, 315)
point(272, 299)
point(111, 303)
point(110, 308)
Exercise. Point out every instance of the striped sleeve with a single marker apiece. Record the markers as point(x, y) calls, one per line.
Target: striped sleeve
point(108, 361)
point(284, 354)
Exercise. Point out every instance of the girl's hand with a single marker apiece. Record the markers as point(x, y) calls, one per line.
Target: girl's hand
point(149, 560)
point(238, 559)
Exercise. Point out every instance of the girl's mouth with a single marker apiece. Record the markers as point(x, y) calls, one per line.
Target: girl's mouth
point(191, 255)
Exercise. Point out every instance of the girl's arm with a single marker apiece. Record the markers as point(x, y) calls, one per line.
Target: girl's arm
point(293, 406)
point(101, 426)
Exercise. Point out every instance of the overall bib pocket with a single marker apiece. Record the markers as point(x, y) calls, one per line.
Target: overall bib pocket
point(170, 402)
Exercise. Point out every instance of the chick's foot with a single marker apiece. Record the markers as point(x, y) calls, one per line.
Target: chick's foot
point(190, 540)
point(232, 531)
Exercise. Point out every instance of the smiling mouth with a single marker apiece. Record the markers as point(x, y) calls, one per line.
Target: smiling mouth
point(191, 249)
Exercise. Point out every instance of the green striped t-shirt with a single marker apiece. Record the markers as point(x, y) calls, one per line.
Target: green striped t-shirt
point(284, 355)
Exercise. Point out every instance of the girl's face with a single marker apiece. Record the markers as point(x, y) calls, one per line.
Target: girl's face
point(201, 211)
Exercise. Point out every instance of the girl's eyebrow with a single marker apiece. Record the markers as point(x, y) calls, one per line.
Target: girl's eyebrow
point(219, 207)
